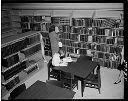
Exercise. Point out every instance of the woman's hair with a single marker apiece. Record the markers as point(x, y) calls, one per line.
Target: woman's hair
point(52, 28)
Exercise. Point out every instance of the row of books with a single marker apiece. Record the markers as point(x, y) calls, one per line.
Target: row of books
point(13, 82)
point(88, 38)
point(25, 25)
point(31, 18)
point(14, 70)
point(33, 39)
point(13, 48)
point(7, 62)
point(60, 20)
point(108, 31)
point(93, 31)
point(95, 54)
point(107, 63)
point(93, 46)
point(17, 46)
point(87, 22)
point(80, 30)
point(29, 51)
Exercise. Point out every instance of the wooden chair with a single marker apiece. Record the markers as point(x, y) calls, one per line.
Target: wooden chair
point(17, 91)
point(52, 73)
point(55, 82)
point(93, 80)
point(68, 80)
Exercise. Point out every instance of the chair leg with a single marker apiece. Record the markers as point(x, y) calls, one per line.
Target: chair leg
point(82, 87)
point(77, 85)
point(99, 91)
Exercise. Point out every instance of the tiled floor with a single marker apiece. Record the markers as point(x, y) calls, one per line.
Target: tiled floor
point(108, 89)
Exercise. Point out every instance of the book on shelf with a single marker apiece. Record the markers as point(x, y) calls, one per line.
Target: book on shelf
point(82, 22)
point(88, 45)
point(37, 19)
point(83, 38)
point(29, 51)
point(66, 28)
point(9, 61)
point(13, 48)
point(100, 55)
point(74, 37)
point(14, 70)
point(82, 51)
point(24, 18)
point(35, 26)
point(33, 39)
point(25, 25)
point(31, 68)
point(89, 53)
point(93, 46)
point(70, 49)
point(89, 38)
point(12, 82)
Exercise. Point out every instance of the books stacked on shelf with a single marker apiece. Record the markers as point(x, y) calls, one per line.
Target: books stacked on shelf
point(31, 68)
point(83, 38)
point(74, 36)
point(25, 25)
point(110, 40)
point(82, 51)
point(14, 70)
point(11, 82)
point(10, 60)
point(89, 46)
point(93, 46)
point(60, 20)
point(70, 49)
point(66, 28)
point(100, 55)
point(37, 19)
point(64, 35)
point(24, 18)
point(33, 39)
point(31, 50)
point(99, 39)
point(87, 22)
point(35, 26)
point(98, 22)
point(13, 48)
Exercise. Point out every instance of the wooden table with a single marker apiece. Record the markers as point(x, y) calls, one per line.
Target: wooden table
point(81, 69)
point(42, 90)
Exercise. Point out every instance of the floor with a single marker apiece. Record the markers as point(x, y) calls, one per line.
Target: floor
point(108, 89)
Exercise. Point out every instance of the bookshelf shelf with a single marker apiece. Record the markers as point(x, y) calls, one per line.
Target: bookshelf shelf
point(32, 41)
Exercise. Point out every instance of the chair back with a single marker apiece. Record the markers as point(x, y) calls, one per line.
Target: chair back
point(68, 80)
point(17, 91)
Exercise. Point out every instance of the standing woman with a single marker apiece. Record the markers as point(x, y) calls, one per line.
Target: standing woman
point(54, 39)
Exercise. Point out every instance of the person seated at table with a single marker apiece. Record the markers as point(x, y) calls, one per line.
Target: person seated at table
point(57, 59)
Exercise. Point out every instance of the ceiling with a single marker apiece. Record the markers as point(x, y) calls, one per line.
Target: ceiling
point(66, 6)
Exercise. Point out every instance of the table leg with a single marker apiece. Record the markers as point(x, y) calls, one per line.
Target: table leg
point(82, 87)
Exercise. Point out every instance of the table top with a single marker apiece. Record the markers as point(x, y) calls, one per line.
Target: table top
point(82, 68)
point(42, 90)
